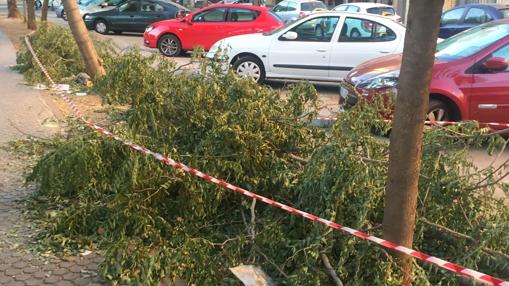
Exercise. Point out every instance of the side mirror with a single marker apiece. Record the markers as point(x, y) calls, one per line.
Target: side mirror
point(291, 35)
point(495, 64)
point(187, 19)
point(103, 5)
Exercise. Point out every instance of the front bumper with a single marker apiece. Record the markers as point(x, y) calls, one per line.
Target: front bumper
point(89, 23)
point(150, 40)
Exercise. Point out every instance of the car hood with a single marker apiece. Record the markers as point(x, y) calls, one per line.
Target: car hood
point(374, 68)
point(104, 12)
point(169, 23)
point(247, 42)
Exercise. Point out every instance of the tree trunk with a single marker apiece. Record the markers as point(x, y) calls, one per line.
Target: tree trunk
point(12, 7)
point(44, 10)
point(24, 11)
point(82, 38)
point(31, 25)
point(408, 124)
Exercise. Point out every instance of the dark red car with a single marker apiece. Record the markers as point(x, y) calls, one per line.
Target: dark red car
point(470, 77)
point(207, 26)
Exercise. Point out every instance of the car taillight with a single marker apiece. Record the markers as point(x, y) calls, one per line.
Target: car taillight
point(302, 14)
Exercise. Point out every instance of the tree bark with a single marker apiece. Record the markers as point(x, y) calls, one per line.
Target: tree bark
point(24, 11)
point(12, 7)
point(79, 31)
point(44, 10)
point(408, 124)
point(31, 24)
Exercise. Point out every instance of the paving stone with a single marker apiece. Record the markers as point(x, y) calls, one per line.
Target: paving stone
point(53, 279)
point(20, 265)
point(4, 279)
point(64, 283)
point(59, 271)
point(83, 281)
point(12, 271)
point(22, 277)
point(76, 268)
point(33, 282)
point(15, 283)
point(39, 274)
point(30, 270)
point(70, 276)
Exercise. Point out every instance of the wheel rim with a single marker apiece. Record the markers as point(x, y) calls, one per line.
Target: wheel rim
point(438, 114)
point(169, 46)
point(249, 69)
point(100, 27)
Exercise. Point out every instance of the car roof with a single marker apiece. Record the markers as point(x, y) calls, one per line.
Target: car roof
point(251, 7)
point(366, 5)
point(487, 5)
point(355, 15)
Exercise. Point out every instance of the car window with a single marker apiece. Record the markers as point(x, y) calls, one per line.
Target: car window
point(362, 30)
point(131, 6)
point(385, 11)
point(452, 17)
point(318, 29)
point(151, 7)
point(241, 15)
point(352, 8)
point(281, 7)
point(505, 13)
point(476, 16)
point(502, 53)
point(211, 15)
point(341, 8)
point(471, 41)
point(292, 6)
point(310, 6)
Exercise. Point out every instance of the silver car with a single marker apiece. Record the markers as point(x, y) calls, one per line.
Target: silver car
point(291, 10)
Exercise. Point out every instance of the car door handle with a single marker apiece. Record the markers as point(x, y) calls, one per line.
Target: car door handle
point(132, 16)
point(321, 50)
point(384, 52)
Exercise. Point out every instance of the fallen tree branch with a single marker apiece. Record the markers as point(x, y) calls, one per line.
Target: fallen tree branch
point(464, 236)
point(331, 271)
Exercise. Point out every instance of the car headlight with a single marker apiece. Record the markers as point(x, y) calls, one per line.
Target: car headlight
point(87, 17)
point(386, 80)
point(215, 49)
point(149, 28)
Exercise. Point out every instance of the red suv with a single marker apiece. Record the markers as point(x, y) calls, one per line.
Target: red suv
point(470, 76)
point(207, 26)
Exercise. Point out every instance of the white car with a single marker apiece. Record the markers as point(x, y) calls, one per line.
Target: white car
point(369, 8)
point(322, 47)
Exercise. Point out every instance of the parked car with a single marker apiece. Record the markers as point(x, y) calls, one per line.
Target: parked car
point(470, 77)
point(465, 17)
point(132, 16)
point(291, 10)
point(370, 8)
point(322, 46)
point(207, 26)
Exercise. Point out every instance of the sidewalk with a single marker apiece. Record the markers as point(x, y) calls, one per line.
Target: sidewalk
point(23, 111)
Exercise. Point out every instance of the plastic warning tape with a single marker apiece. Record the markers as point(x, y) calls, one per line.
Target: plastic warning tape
point(170, 162)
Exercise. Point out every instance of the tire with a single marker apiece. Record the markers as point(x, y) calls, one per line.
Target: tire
point(354, 33)
point(439, 111)
point(169, 45)
point(101, 27)
point(250, 67)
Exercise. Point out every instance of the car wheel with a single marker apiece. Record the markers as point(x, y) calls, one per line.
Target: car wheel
point(438, 111)
point(170, 46)
point(64, 15)
point(250, 67)
point(101, 27)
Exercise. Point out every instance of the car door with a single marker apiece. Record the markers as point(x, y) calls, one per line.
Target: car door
point(306, 57)
point(451, 22)
point(360, 40)
point(240, 21)
point(150, 12)
point(124, 20)
point(206, 27)
point(489, 94)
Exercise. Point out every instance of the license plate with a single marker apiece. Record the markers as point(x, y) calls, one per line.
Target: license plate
point(343, 92)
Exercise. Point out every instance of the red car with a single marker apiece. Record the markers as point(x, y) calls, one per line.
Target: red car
point(470, 79)
point(207, 26)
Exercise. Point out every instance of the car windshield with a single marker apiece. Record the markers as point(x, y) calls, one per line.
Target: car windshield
point(471, 41)
point(386, 11)
point(505, 13)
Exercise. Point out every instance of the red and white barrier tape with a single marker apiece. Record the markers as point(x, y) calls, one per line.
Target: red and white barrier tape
point(494, 124)
point(170, 162)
